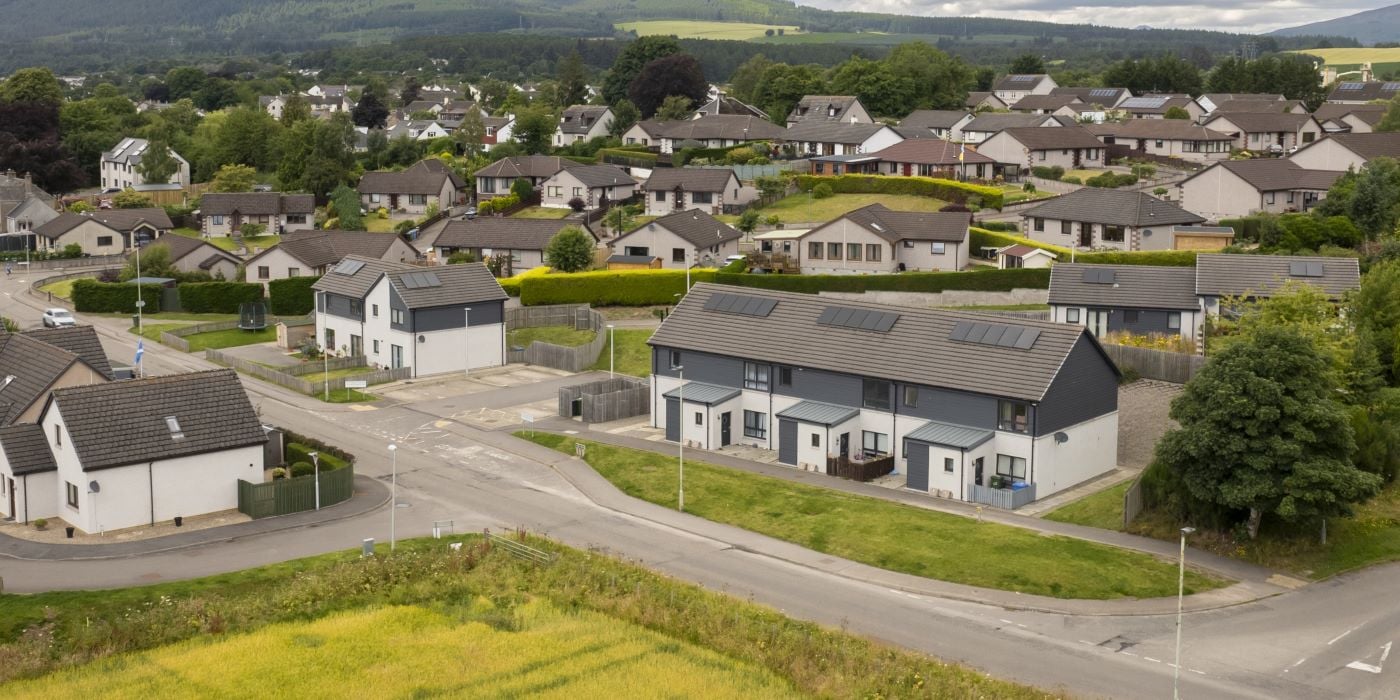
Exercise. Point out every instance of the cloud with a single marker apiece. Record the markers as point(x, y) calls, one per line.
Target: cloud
point(1247, 16)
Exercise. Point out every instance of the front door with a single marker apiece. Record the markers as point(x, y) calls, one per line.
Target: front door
point(1098, 322)
point(917, 478)
point(977, 471)
point(845, 444)
point(787, 442)
point(395, 356)
point(724, 428)
point(357, 346)
point(1086, 235)
point(11, 491)
point(673, 420)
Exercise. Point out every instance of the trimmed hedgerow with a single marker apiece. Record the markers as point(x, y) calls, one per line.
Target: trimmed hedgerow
point(292, 296)
point(217, 297)
point(114, 297)
point(609, 287)
point(982, 281)
point(947, 190)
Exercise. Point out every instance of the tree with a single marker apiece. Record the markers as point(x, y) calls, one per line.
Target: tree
point(748, 221)
point(157, 164)
point(674, 108)
point(521, 188)
point(881, 91)
point(246, 136)
point(678, 74)
point(370, 111)
point(318, 156)
point(411, 92)
point(625, 116)
point(571, 250)
point(1261, 434)
point(29, 143)
point(1375, 205)
point(154, 261)
point(1175, 112)
point(471, 132)
point(130, 199)
point(1391, 120)
point(295, 109)
point(347, 208)
point(940, 81)
point(631, 61)
point(32, 85)
point(234, 178)
point(783, 85)
point(184, 82)
point(743, 85)
point(534, 129)
point(1376, 310)
point(573, 80)
point(1027, 63)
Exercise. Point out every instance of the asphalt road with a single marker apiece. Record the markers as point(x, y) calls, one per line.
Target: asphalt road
point(1327, 640)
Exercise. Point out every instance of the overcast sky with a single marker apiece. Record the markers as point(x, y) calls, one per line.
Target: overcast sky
point(1251, 16)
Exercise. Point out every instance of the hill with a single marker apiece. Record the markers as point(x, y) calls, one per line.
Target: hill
point(1369, 27)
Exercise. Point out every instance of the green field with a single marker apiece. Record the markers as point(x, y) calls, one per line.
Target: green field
point(216, 340)
point(1356, 56)
point(878, 532)
point(695, 29)
point(228, 243)
point(633, 354)
point(804, 208)
point(63, 289)
point(1103, 509)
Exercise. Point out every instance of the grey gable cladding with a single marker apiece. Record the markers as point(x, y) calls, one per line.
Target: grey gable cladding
point(79, 340)
point(1220, 274)
point(694, 227)
point(503, 233)
point(1135, 286)
point(123, 423)
point(26, 449)
point(916, 350)
point(1113, 207)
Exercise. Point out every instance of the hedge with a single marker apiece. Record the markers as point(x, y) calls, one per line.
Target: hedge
point(1246, 229)
point(621, 156)
point(981, 281)
point(298, 452)
point(292, 296)
point(217, 297)
point(114, 297)
point(685, 155)
point(297, 443)
point(511, 285)
point(609, 287)
point(948, 190)
point(980, 238)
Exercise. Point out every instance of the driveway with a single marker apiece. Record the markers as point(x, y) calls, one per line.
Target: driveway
point(1142, 419)
point(263, 353)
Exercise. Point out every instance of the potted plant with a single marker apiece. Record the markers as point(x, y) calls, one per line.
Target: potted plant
point(41, 524)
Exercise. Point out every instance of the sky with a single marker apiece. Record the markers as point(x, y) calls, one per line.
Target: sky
point(1246, 16)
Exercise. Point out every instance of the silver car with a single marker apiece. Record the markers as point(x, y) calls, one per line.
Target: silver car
point(56, 318)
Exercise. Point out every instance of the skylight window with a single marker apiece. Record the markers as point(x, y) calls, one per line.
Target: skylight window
point(173, 424)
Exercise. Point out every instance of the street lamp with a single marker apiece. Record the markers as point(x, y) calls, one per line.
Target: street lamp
point(680, 436)
point(612, 349)
point(1180, 591)
point(393, 491)
point(466, 341)
point(316, 469)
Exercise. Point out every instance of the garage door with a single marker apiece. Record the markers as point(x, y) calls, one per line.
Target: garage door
point(787, 442)
point(673, 420)
point(917, 452)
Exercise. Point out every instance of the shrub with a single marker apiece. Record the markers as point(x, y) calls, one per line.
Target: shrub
point(511, 285)
point(405, 226)
point(1111, 180)
point(297, 452)
point(329, 453)
point(577, 204)
point(1028, 187)
point(252, 230)
point(217, 297)
point(1072, 179)
point(302, 469)
point(609, 287)
point(570, 250)
point(461, 257)
point(949, 190)
point(821, 191)
point(1052, 172)
point(41, 523)
point(773, 220)
point(382, 213)
point(120, 297)
point(1144, 171)
point(1001, 226)
point(521, 189)
point(292, 296)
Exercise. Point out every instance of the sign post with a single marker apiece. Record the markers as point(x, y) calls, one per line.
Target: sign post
point(354, 384)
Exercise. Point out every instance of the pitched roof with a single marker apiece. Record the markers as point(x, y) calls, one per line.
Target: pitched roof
point(822, 108)
point(63, 223)
point(695, 227)
point(1368, 146)
point(974, 99)
point(1219, 97)
point(321, 248)
point(720, 126)
point(527, 166)
point(1019, 81)
point(1238, 106)
point(1155, 104)
point(79, 340)
point(997, 121)
point(26, 449)
point(1252, 122)
point(1105, 97)
point(450, 285)
point(1220, 274)
point(1274, 174)
point(1371, 114)
point(1038, 138)
point(258, 203)
point(724, 104)
point(123, 220)
point(1172, 129)
point(832, 132)
point(896, 226)
point(421, 178)
point(1045, 102)
point(917, 348)
point(934, 118)
point(122, 423)
point(502, 233)
point(35, 366)
point(601, 176)
point(15, 190)
point(127, 151)
point(578, 119)
point(930, 152)
point(358, 283)
point(1132, 286)
point(1364, 92)
point(690, 179)
point(183, 246)
point(1113, 207)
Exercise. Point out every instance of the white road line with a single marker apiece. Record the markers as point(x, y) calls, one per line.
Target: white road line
point(1155, 661)
point(1338, 638)
point(1299, 662)
point(1197, 672)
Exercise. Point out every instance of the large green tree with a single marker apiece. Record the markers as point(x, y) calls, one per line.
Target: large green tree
point(157, 164)
point(234, 178)
point(631, 61)
point(571, 250)
point(940, 81)
point(32, 85)
point(625, 116)
point(677, 74)
point(743, 85)
point(1376, 312)
point(317, 155)
point(534, 129)
point(573, 80)
point(346, 202)
point(1027, 63)
point(880, 90)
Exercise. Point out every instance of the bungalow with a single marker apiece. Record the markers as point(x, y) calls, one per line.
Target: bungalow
point(1017, 150)
point(22, 205)
point(833, 138)
point(1275, 133)
point(1260, 107)
point(682, 240)
point(118, 168)
point(1105, 97)
point(1234, 188)
point(311, 253)
point(1103, 218)
point(495, 180)
point(419, 130)
point(1132, 299)
point(597, 186)
point(823, 109)
point(984, 125)
point(946, 124)
point(956, 422)
point(1157, 106)
point(410, 193)
point(225, 213)
point(721, 131)
point(520, 242)
point(1348, 118)
point(1046, 104)
point(1168, 138)
point(933, 158)
point(647, 132)
point(1348, 151)
point(127, 454)
point(191, 255)
point(104, 231)
point(981, 101)
point(711, 190)
point(443, 319)
point(1011, 88)
point(1360, 93)
point(582, 123)
point(1210, 101)
point(1222, 276)
point(722, 104)
point(876, 239)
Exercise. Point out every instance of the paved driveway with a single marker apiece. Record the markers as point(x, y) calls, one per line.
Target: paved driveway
point(1142, 419)
point(265, 353)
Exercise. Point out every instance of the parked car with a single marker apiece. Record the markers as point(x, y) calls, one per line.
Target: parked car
point(55, 318)
point(471, 213)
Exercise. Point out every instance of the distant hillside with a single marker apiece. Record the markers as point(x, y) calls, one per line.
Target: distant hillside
point(1369, 27)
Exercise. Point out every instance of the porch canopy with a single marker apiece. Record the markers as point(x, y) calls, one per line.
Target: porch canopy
point(705, 394)
point(958, 437)
point(818, 413)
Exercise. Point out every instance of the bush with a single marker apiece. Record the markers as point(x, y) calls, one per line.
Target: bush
point(382, 213)
point(511, 285)
point(949, 190)
point(714, 155)
point(570, 250)
point(461, 257)
point(120, 297)
point(299, 453)
point(1111, 180)
point(1072, 180)
point(1001, 226)
point(821, 191)
point(609, 287)
point(307, 444)
point(627, 157)
point(292, 296)
point(302, 469)
point(521, 188)
point(217, 297)
point(982, 281)
point(1052, 172)
point(498, 204)
point(405, 226)
point(577, 204)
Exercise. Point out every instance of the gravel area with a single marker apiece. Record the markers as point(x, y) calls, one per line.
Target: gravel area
point(1142, 419)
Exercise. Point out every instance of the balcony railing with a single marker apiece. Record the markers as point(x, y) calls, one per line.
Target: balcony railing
point(1008, 499)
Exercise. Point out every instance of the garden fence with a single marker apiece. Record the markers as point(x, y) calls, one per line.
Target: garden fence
point(605, 400)
point(1132, 501)
point(291, 377)
point(175, 337)
point(294, 495)
point(1006, 499)
point(1162, 365)
point(568, 358)
point(868, 470)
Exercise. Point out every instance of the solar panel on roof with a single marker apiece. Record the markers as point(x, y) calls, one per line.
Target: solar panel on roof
point(741, 304)
point(859, 319)
point(1102, 92)
point(348, 267)
point(1390, 87)
point(1304, 268)
point(996, 334)
point(1021, 78)
point(1350, 86)
point(1144, 102)
point(1099, 276)
point(429, 279)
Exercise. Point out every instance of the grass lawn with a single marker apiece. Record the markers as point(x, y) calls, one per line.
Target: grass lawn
point(541, 213)
point(556, 335)
point(219, 340)
point(633, 354)
point(804, 208)
point(228, 243)
point(1013, 193)
point(62, 289)
point(374, 224)
point(878, 532)
point(1103, 509)
point(171, 316)
point(698, 29)
point(1084, 174)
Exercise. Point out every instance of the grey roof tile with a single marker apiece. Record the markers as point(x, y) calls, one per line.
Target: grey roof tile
point(421, 178)
point(934, 118)
point(832, 132)
point(896, 226)
point(602, 176)
point(35, 366)
point(26, 449)
point(717, 126)
point(1221, 274)
point(930, 151)
point(469, 283)
point(79, 340)
point(690, 179)
point(358, 284)
point(1114, 207)
point(1038, 138)
point(694, 226)
point(1274, 174)
point(998, 121)
point(503, 233)
point(257, 203)
point(1133, 287)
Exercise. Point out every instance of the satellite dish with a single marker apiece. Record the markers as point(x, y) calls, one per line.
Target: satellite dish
point(94, 487)
point(1061, 438)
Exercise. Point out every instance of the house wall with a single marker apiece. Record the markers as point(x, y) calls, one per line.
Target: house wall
point(1173, 148)
point(190, 263)
point(919, 255)
point(1090, 451)
point(1150, 321)
point(1328, 155)
point(279, 266)
point(1004, 149)
point(95, 238)
point(121, 175)
point(1216, 193)
point(734, 193)
point(33, 494)
point(844, 232)
point(450, 350)
point(276, 224)
point(658, 241)
point(1053, 228)
point(563, 186)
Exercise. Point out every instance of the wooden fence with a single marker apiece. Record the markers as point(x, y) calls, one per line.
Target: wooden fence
point(294, 495)
point(1174, 367)
point(605, 400)
point(1006, 499)
point(1132, 501)
point(868, 470)
point(568, 358)
point(175, 337)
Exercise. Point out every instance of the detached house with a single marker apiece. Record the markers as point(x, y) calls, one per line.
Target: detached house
point(1344, 152)
point(1347, 118)
point(1047, 104)
point(876, 239)
point(496, 179)
point(582, 123)
point(499, 130)
point(841, 109)
point(1134, 299)
point(104, 231)
point(1220, 275)
point(1211, 101)
point(1157, 106)
point(718, 131)
point(993, 411)
point(1104, 218)
point(596, 185)
point(1106, 97)
point(984, 125)
point(946, 124)
point(1168, 138)
point(978, 101)
point(443, 319)
point(1017, 150)
point(828, 139)
point(1264, 132)
point(1351, 92)
point(711, 190)
point(1011, 88)
point(520, 242)
point(192, 255)
point(311, 253)
point(682, 240)
point(23, 206)
point(722, 104)
point(411, 192)
point(118, 168)
point(1234, 188)
point(224, 213)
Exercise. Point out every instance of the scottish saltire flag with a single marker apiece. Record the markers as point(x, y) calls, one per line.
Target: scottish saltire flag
point(140, 350)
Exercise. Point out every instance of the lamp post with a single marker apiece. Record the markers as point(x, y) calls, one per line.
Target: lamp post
point(612, 349)
point(1180, 591)
point(393, 491)
point(316, 469)
point(466, 341)
point(680, 436)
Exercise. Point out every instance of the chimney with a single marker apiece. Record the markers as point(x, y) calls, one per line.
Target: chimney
point(28, 186)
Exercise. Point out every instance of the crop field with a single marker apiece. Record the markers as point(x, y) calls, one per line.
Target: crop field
point(1357, 56)
point(696, 29)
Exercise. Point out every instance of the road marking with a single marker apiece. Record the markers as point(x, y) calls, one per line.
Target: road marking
point(1196, 672)
point(1338, 638)
point(1361, 666)
point(1155, 661)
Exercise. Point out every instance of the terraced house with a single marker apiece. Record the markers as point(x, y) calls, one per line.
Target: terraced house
point(963, 405)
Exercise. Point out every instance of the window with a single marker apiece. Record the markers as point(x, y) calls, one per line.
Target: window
point(1290, 197)
point(678, 255)
point(784, 376)
point(876, 394)
point(1042, 154)
point(218, 220)
point(374, 310)
point(1174, 321)
point(1159, 143)
point(396, 316)
point(702, 197)
point(173, 425)
point(487, 185)
point(814, 250)
point(1066, 228)
point(756, 376)
point(874, 443)
point(938, 248)
point(72, 495)
point(104, 240)
point(660, 196)
point(1014, 467)
point(1113, 233)
point(1130, 316)
point(833, 251)
point(853, 251)
point(58, 436)
point(872, 252)
point(1039, 224)
point(556, 191)
point(296, 218)
point(947, 465)
point(264, 272)
point(699, 418)
point(1071, 315)
point(578, 191)
point(374, 198)
point(637, 250)
point(357, 307)
point(1013, 416)
point(675, 359)
point(294, 272)
point(908, 244)
point(418, 199)
point(911, 396)
point(375, 345)
point(395, 356)
point(756, 425)
point(816, 440)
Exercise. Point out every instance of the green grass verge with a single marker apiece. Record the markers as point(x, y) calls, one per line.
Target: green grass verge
point(218, 340)
point(374, 224)
point(889, 535)
point(633, 354)
point(541, 213)
point(63, 289)
point(480, 595)
point(228, 243)
point(1103, 509)
point(556, 335)
point(804, 208)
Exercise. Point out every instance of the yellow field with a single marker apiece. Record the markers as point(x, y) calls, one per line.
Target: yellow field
point(695, 29)
point(1351, 57)
point(400, 652)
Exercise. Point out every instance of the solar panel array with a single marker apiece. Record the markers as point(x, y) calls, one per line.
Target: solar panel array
point(860, 319)
point(419, 280)
point(1103, 92)
point(348, 267)
point(1099, 276)
point(1144, 102)
point(1022, 78)
point(1350, 86)
point(1304, 268)
point(1390, 87)
point(997, 334)
point(740, 304)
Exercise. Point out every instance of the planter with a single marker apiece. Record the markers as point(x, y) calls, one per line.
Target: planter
point(69, 531)
point(179, 520)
